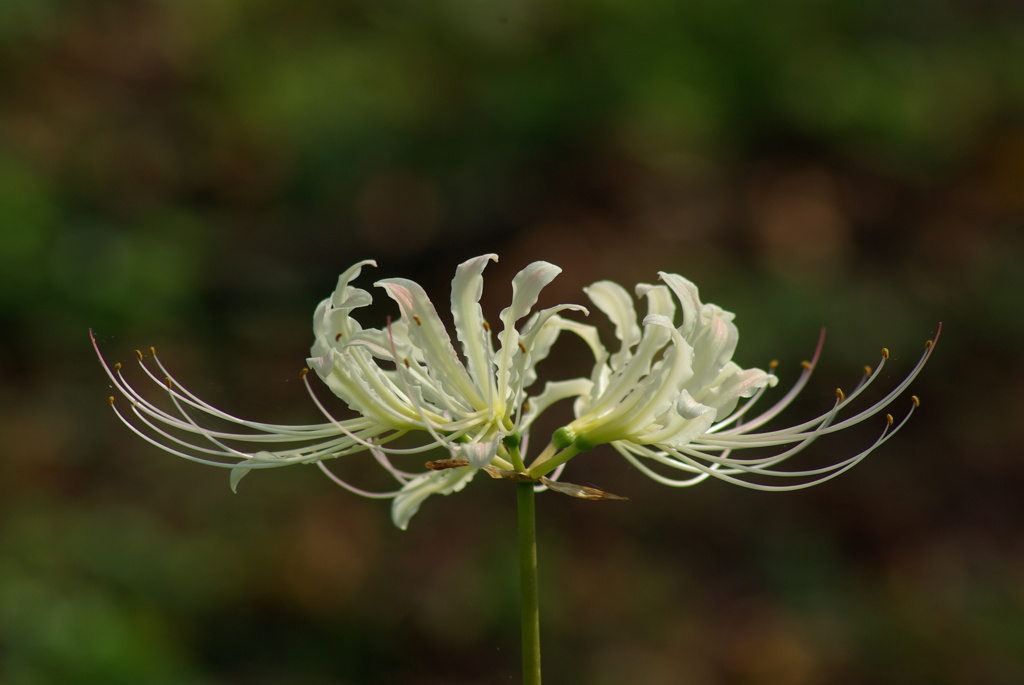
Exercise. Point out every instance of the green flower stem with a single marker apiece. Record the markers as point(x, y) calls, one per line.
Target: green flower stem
point(529, 606)
point(515, 457)
point(543, 466)
point(548, 452)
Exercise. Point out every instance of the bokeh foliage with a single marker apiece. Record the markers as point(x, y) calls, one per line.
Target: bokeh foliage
point(195, 174)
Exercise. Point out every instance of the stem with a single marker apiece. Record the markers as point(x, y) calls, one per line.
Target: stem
point(548, 452)
point(541, 468)
point(529, 606)
point(516, 457)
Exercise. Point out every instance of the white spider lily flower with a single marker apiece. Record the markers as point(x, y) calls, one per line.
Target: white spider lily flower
point(404, 378)
point(669, 398)
point(462, 406)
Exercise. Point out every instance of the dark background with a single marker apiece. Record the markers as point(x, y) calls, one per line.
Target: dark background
point(194, 175)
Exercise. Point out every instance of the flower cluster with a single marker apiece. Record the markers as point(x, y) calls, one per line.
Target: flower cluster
point(669, 399)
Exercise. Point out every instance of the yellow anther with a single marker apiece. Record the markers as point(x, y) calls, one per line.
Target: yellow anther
point(169, 382)
point(928, 344)
point(407, 365)
point(526, 405)
point(773, 364)
point(117, 367)
point(138, 353)
point(152, 351)
point(806, 364)
point(337, 337)
point(522, 348)
point(302, 374)
point(487, 327)
point(110, 401)
point(888, 417)
point(840, 395)
point(417, 320)
point(885, 353)
point(867, 370)
point(916, 400)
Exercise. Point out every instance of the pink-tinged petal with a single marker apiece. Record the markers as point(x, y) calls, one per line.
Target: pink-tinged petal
point(427, 332)
point(712, 348)
point(725, 395)
point(470, 326)
point(478, 454)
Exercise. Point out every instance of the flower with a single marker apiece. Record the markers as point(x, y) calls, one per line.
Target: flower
point(670, 397)
point(403, 378)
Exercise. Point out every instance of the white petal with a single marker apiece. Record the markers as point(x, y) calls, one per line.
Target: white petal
point(689, 299)
point(364, 387)
point(659, 389)
point(680, 432)
point(689, 420)
point(467, 287)
point(653, 339)
point(689, 408)
point(725, 394)
point(479, 454)
point(346, 295)
point(612, 299)
point(408, 501)
point(239, 470)
point(713, 347)
point(539, 334)
point(331, 321)
point(526, 287)
point(237, 473)
point(427, 332)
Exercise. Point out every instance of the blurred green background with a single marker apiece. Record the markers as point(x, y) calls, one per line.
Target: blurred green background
point(194, 175)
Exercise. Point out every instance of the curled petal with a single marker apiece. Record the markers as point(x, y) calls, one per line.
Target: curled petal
point(617, 305)
point(526, 287)
point(427, 332)
point(416, 491)
point(470, 327)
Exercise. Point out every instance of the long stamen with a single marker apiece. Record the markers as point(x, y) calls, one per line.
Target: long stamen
point(398, 474)
point(726, 469)
point(808, 369)
point(354, 489)
point(313, 442)
point(741, 435)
